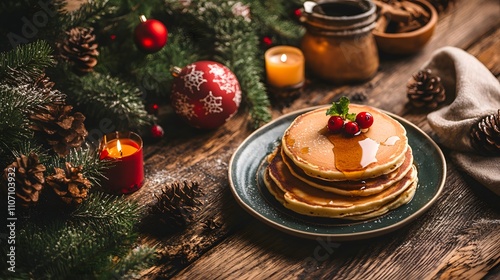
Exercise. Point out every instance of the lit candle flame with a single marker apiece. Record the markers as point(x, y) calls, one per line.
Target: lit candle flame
point(283, 58)
point(119, 147)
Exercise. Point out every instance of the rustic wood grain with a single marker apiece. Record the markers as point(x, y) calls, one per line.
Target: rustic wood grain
point(487, 51)
point(457, 238)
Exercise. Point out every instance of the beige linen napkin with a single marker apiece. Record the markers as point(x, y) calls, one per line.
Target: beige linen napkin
point(475, 93)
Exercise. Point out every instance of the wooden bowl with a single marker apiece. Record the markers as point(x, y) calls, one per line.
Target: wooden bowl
point(408, 42)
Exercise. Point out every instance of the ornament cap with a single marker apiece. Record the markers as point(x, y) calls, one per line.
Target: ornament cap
point(143, 18)
point(175, 71)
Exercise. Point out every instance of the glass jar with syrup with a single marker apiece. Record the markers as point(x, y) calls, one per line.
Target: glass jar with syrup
point(338, 44)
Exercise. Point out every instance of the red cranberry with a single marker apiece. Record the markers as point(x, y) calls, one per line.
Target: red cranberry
point(352, 128)
point(364, 119)
point(335, 124)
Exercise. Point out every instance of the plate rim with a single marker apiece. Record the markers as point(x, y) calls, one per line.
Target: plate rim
point(341, 236)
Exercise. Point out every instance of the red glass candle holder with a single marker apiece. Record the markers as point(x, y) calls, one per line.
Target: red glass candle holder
point(126, 172)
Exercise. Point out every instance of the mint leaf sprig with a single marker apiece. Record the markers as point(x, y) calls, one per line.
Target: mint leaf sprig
point(341, 108)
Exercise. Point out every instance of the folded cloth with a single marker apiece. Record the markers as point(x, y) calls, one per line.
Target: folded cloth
point(475, 93)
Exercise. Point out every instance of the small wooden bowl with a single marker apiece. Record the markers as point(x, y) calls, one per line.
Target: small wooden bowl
point(408, 42)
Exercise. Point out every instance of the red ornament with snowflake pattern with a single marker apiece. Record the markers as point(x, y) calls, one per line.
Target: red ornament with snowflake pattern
point(206, 94)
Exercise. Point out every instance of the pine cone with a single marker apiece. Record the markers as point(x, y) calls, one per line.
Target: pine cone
point(174, 206)
point(69, 184)
point(425, 90)
point(80, 48)
point(485, 135)
point(29, 178)
point(43, 82)
point(62, 130)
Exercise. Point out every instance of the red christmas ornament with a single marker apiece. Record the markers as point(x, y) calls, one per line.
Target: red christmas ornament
point(298, 12)
point(157, 131)
point(267, 41)
point(153, 108)
point(150, 35)
point(205, 94)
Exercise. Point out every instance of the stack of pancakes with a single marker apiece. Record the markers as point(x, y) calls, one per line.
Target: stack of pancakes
point(319, 173)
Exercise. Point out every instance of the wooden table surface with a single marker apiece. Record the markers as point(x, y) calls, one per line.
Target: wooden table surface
point(457, 238)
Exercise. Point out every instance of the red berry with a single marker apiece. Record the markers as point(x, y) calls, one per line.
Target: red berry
point(364, 119)
point(352, 128)
point(157, 131)
point(335, 123)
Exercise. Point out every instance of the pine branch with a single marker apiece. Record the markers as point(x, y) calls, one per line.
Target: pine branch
point(88, 158)
point(107, 97)
point(90, 12)
point(153, 72)
point(13, 123)
point(273, 18)
point(136, 260)
point(16, 104)
point(237, 46)
point(102, 210)
point(30, 59)
point(85, 244)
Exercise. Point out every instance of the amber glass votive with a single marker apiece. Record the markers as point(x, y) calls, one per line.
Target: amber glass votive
point(126, 173)
point(284, 67)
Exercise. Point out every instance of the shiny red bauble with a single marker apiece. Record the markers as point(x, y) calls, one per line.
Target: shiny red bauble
point(150, 35)
point(157, 131)
point(205, 94)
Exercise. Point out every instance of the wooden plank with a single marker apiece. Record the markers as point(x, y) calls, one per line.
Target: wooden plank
point(488, 51)
point(468, 260)
point(266, 253)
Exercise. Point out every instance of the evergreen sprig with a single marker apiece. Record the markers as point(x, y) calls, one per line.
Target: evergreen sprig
point(278, 23)
point(87, 14)
point(237, 47)
point(94, 241)
point(137, 259)
point(13, 124)
point(153, 72)
point(88, 158)
point(101, 210)
point(16, 104)
point(30, 58)
point(108, 97)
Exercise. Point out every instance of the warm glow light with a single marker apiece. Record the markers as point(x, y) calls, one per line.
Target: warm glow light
point(283, 58)
point(119, 147)
point(284, 66)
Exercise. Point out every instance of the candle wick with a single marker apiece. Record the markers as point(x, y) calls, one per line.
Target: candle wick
point(121, 154)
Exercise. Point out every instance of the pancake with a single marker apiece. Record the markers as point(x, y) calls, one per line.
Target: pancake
point(298, 196)
point(402, 199)
point(352, 188)
point(336, 157)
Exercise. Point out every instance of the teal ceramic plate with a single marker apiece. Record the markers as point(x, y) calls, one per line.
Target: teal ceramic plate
point(246, 172)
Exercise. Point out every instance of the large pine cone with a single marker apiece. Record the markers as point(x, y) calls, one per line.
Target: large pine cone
point(485, 135)
point(28, 177)
point(69, 184)
point(61, 130)
point(174, 207)
point(425, 90)
point(80, 47)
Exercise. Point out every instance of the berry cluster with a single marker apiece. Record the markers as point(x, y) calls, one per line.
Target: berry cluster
point(342, 120)
point(363, 121)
